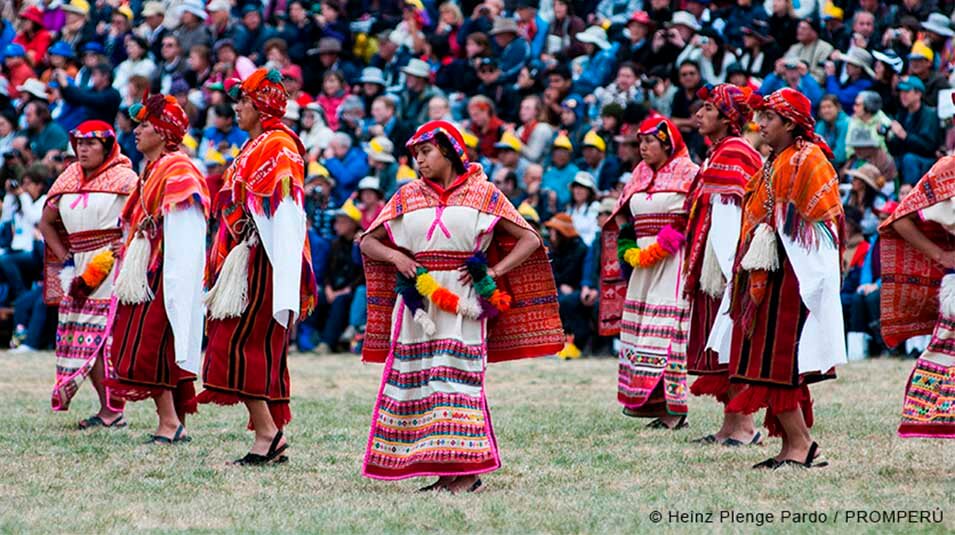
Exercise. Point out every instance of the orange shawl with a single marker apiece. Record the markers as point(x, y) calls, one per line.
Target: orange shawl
point(910, 280)
point(531, 328)
point(170, 183)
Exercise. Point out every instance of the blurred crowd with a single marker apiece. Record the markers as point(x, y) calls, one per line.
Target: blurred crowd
point(550, 94)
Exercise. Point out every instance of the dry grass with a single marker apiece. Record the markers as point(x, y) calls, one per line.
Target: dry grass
point(572, 462)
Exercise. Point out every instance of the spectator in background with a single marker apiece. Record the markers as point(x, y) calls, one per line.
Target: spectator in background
point(599, 60)
point(33, 36)
point(16, 69)
point(638, 48)
point(741, 15)
point(334, 92)
point(867, 115)
point(43, 133)
point(77, 28)
point(251, 34)
point(192, 30)
point(171, 67)
point(685, 103)
point(833, 126)
point(383, 165)
point(506, 181)
point(858, 77)
point(561, 171)
point(22, 262)
point(120, 27)
point(795, 74)
point(532, 27)
point(561, 35)
point(222, 135)
point(439, 109)
point(543, 202)
point(567, 253)
point(343, 275)
point(222, 27)
point(583, 206)
point(509, 150)
point(315, 133)
point(347, 164)
point(888, 67)
point(372, 82)
point(100, 102)
point(513, 53)
point(460, 75)
point(605, 168)
point(417, 92)
point(623, 90)
point(137, 63)
point(915, 136)
point(8, 125)
point(152, 29)
point(535, 133)
point(810, 49)
point(921, 62)
point(865, 149)
point(760, 51)
point(865, 196)
point(711, 54)
point(384, 122)
point(485, 124)
point(494, 87)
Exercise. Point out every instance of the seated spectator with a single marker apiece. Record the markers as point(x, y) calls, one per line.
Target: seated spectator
point(863, 314)
point(60, 55)
point(867, 115)
point(567, 253)
point(222, 135)
point(623, 90)
point(865, 149)
point(343, 276)
point(439, 109)
point(684, 106)
point(711, 54)
point(858, 76)
point(371, 200)
point(583, 207)
point(562, 43)
point(334, 92)
point(417, 92)
point(16, 69)
point(833, 126)
point(8, 125)
point(599, 60)
point(251, 34)
point(384, 121)
point(921, 65)
point(42, 132)
point(484, 123)
point(383, 165)
point(810, 50)
point(561, 171)
point(628, 149)
point(100, 102)
point(509, 150)
point(372, 82)
point(544, 202)
point(137, 63)
point(572, 121)
point(494, 87)
point(33, 35)
point(114, 40)
point(513, 52)
point(22, 262)
point(760, 49)
point(535, 133)
point(347, 164)
point(915, 136)
point(192, 30)
point(506, 181)
point(638, 48)
point(171, 65)
point(865, 196)
point(605, 168)
point(888, 68)
point(590, 281)
point(35, 325)
point(793, 73)
point(315, 133)
point(460, 75)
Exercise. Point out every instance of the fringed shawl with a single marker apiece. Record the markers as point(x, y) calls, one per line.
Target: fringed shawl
point(531, 328)
point(910, 280)
point(115, 175)
point(798, 189)
point(170, 183)
point(675, 176)
point(730, 164)
point(268, 169)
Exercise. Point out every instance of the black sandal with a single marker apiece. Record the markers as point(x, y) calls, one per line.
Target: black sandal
point(708, 439)
point(768, 464)
point(657, 423)
point(808, 463)
point(434, 486)
point(176, 438)
point(96, 421)
point(478, 486)
point(733, 443)
point(273, 456)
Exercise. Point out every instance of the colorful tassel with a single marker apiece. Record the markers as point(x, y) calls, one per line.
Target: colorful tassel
point(229, 297)
point(98, 268)
point(132, 284)
point(712, 282)
point(670, 239)
point(500, 300)
point(426, 285)
point(762, 253)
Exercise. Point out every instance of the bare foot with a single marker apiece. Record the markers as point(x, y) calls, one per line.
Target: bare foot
point(462, 484)
point(441, 484)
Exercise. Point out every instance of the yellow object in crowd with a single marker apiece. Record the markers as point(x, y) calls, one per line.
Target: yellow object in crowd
point(592, 139)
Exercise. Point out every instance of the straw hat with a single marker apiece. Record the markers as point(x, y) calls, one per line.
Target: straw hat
point(859, 57)
point(504, 25)
point(869, 174)
point(563, 224)
point(594, 35)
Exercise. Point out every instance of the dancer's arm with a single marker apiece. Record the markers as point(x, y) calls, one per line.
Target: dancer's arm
point(373, 246)
point(527, 243)
point(50, 236)
point(910, 232)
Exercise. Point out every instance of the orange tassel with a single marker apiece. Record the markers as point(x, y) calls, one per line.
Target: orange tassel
point(500, 300)
point(445, 300)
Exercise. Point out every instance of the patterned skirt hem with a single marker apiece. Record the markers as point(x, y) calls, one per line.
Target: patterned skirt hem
point(430, 470)
point(912, 430)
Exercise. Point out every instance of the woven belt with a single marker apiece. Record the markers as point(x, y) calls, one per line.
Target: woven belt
point(649, 225)
point(442, 260)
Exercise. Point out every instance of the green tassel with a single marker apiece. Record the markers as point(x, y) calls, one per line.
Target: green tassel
point(485, 287)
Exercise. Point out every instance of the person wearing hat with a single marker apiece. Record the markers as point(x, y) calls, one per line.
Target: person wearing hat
point(568, 252)
point(888, 67)
point(834, 29)
point(33, 89)
point(921, 65)
point(760, 50)
point(936, 32)
point(512, 52)
point(810, 49)
point(152, 29)
point(777, 361)
point(252, 33)
point(320, 209)
point(858, 68)
point(221, 25)
point(426, 241)
point(60, 55)
point(371, 199)
point(260, 269)
point(417, 92)
point(864, 194)
point(17, 69)
point(639, 31)
point(137, 63)
point(505, 96)
point(88, 263)
point(159, 317)
point(343, 281)
point(583, 206)
point(915, 135)
point(382, 164)
point(916, 265)
point(604, 167)
point(866, 149)
point(600, 58)
point(33, 36)
point(561, 171)
point(192, 29)
point(509, 149)
point(373, 85)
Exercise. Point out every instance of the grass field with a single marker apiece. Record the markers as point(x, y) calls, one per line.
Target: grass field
point(572, 462)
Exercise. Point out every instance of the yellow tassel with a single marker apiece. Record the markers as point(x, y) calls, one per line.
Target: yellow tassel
point(426, 284)
point(632, 257)
point(103, 260)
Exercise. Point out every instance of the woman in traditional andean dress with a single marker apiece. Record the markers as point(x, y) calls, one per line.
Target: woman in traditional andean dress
point(462, 255)
point(81, 228)
point(648, 308)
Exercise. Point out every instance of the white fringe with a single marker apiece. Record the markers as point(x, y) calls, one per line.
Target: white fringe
point(132, 284)
point(711, 277)
point(230, 296)
point(469, 308)
point(762, 254)
point(422, 318)
point(946, 296)
point(67, 274)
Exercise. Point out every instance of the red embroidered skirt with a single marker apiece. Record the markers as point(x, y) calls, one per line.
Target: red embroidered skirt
point(247, 356)
point(143, 353)
point(767, 358)
point(714, 380)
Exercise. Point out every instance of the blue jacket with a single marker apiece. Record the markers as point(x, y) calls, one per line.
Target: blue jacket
point(847, 92)
point(598, 71)
point(591, 275)
point(807, 86)
point(558, 181)
point(540, 38)
point(835, 136)
point(347, 172)
point(513, 58)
